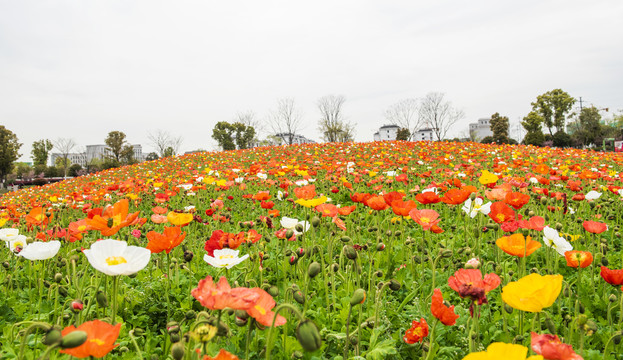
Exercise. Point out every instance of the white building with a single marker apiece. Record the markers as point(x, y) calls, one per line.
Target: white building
point(96, 152)
point(425, 134)
point(387, 133)
point(480, 129)
point(296, 138)
point(72, 158)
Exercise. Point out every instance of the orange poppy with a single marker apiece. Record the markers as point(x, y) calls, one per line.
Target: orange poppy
point(346, 210)
point(360, 197)
point(77, 228)
point(417, 332)
point(516, 199)
point(579, 259)
point(517, 245)
point(159, 210)
point(455, 196)
point(261, 309)
point(470, 283)
point(101, 339)
point(444, 313)
point(167, 241)
point(428, 197)
point(113, 218)
point(534, 223)
point(402, 208)
point(159, 219)
point(261, 195)
point(500, 212)
point(594, 227)
point(222, 355)
point(37, 217)
point(426, 218)
point(306, 192)
point(377, 203)
point(220, 296)
point(327, 210)
point(393, 196)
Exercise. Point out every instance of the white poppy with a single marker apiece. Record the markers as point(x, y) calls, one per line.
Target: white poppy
point(224, 258)
point(239, 180)
point(185, 186)
point(262, 176)
point(39, 250)
point(473, 208)
point(114, 257)
point(552, 239)
point(431, 189)
point(279, 195)
point(290, 224)
point(8, 234)
point(592, 195)
point(18, 243)
point(534, 180)
point(301, 182)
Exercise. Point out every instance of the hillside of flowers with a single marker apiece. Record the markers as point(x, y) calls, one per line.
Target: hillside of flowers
point(384, 250)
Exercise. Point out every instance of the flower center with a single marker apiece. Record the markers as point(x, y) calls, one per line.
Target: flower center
point(222, 257)
point(260, 309)
point(425, 220)
point(115, 260)
point(97, 341)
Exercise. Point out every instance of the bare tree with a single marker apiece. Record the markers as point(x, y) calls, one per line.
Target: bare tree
point(162, 141)
point(65, 146)
point(286, 120)
point(248, 118)
point(332, 124)
point(405, 114)
point(438, 114)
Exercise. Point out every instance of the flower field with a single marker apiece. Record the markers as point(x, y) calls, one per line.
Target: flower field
point(384, 250)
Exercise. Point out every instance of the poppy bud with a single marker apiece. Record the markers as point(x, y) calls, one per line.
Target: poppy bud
point(139, 331)
point(241, 322)
point(173, 327)
point(58, 277)
point(313, 269)
point(604, 261)
point(188, 255)
point(472, 196)
point(359, 296)
point(394, 285)
point(350, 252)
point(299, 228)
point(380, 247)
point(378, 273)
point(518, 339)
point(617, 338)
point(177, 351)
point(73, 339)
point(446, 253)
point(77, 306)
point(242, 314)
point(508, 308)
point(300, 252)
point(315, 221)
point(335, 267)
point(345, 239)
point(354, 340)
point(398, 233)
point(293, 260)
point(62, 291)
point(289, 234)
point(273, 290)
point(308, 335)
point(612, 298)
point(53, 336)
point(565, 291)
point(299, 297)
point(590, 327)
point(102, 300)
point(550, 325)
point(543, 200)
point(417, 259)
point(582, 319)
point(531, 213)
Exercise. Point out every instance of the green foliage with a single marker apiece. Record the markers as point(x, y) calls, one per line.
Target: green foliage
point(244, 135)
point(229, 135)
point(40, 151)
point(151, 156)
point(532, 123)
point(587, 128)
point(74, 169)
point(168, 152)
point(487, 140)
point(52, 171)
point(499, 127)
point(403, 134)
point(561, 139)
point(23, 170)
point(9, 147)
point(553, 107)
point(116, 143)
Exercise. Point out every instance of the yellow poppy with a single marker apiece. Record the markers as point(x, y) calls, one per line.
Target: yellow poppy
point(504, 351)
point(488, 178)
point(312, 202)
point(179, 219)
point(532, 293)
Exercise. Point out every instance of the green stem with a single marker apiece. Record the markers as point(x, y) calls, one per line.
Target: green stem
point(269, 342)
point(350, 309)
point(115, 284)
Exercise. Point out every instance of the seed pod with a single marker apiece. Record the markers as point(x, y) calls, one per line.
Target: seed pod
point(350, 252)
point(345, 239)
point(299, 297)
point(73, 339)
point(178, 350)
point(315, 221)
point(612, 298)
point(273, 290)
point(308, 335)
point(394, 285)
point(359, 296)
point(53, 336)
point(550, 325)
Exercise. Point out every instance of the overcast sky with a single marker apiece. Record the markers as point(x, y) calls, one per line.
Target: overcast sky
point(79, 69)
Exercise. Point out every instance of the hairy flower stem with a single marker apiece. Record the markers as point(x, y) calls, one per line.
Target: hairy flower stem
point(278, 309)
point(432, 340)
point(115, 285)
point(350, 309)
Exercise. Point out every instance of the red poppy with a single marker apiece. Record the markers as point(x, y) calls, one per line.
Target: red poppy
point(612, 277)
point(426, 218)
point(594, 227)
point(101, 339)
point(360, 197)
point(470, 283)
point(402, 208)
point(516, 199)
point(167, 241)
point(577, 258)
point(222, 355)
point(220, 296)
point(346, 210)
point(500, 212)
point(550, 347)
point(377, 203)
point(417, 332)
point(428, 197)
point(393, 196)
point(261, 196)
point(261, 310)
point(444, 313)
point(455, 196)
point(267, 204)
point(535, 223)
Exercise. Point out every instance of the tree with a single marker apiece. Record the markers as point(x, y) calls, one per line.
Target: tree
point(403, 134)
point(40, 151)
point(223, 133)
point(405, 114)
point(587, 128)
point(116, 144)
point(9, 147)
point(65, 146)
point(151, 156)
point(553, 107)
point(168, 152)
point(534, 135)
point(499, 127)
point(127, 155)
point(161, 140)
point(332, 124)
point(243, 135)
point(438, 114)
point(286, 120)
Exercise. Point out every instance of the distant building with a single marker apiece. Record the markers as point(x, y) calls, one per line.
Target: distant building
point(480, 129)
point(425, 134)
point(96, 152)
point(387, 133)
point(296, 138)
point(72, 158)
